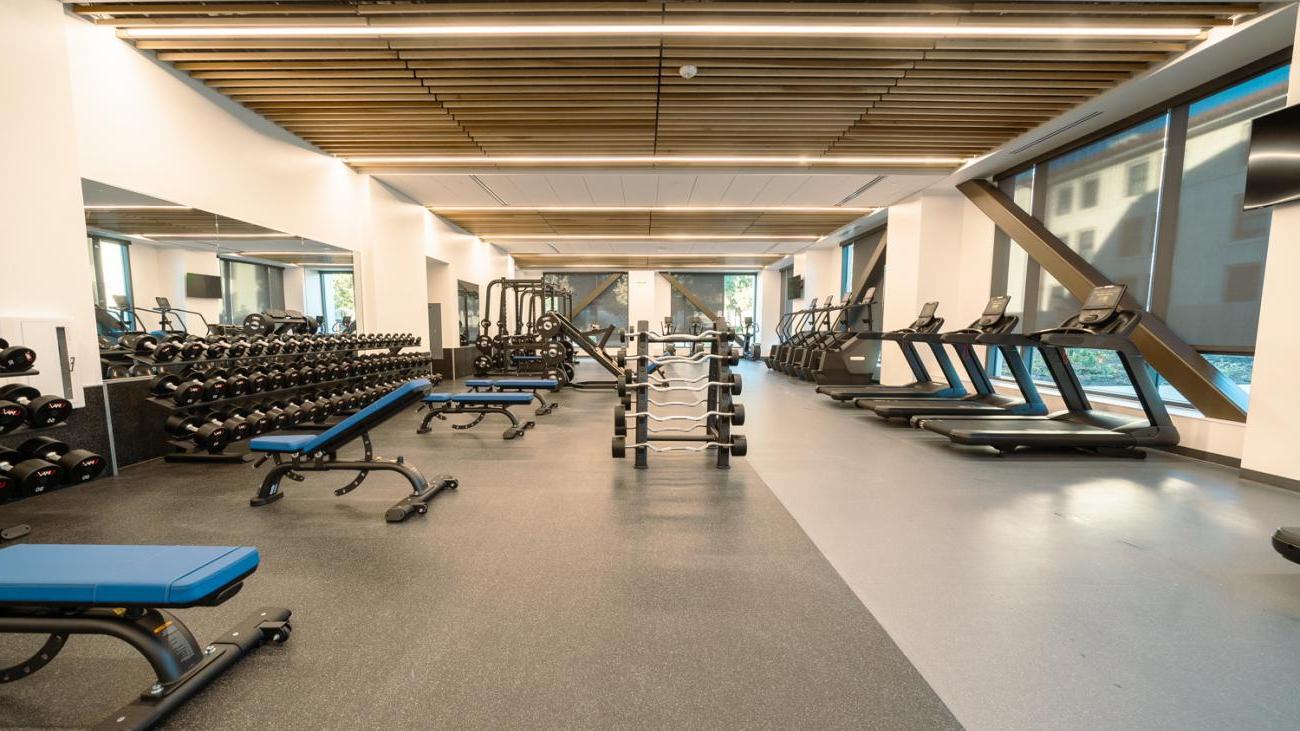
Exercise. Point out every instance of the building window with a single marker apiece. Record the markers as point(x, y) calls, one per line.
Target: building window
point(1207, 285)
point(111, 278)
point(608, 308)
point(1137, 179)
point(248, 287)
point(846, 269)
point(1064, 200)
point(1088, 193)
point(731, 296)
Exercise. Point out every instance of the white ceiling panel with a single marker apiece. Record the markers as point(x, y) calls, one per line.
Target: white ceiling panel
point(778, 189)
point(604, 190)
point(744, 189)
point(441, 190)
point(522, 190)
point(571, 189)
point(893, 189)
point(640, 190)
point(709, 189)
point(675, 189)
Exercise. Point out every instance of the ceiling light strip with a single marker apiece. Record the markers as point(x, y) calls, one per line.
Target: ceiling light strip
point(704, 238)
point(655, 29)
point(647, 209)
point(781, 160)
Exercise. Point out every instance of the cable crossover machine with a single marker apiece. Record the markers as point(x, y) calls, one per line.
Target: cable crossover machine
point(679, 403)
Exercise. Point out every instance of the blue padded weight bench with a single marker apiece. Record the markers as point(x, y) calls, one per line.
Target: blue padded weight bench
point(442, 404)
point(120, 591)
point(318, 452)
point(510, 385)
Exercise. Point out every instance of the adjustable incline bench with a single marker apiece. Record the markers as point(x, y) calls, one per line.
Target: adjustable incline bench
point(119, 591)
point(296, 453)
point(510, 385)
point(481, 403)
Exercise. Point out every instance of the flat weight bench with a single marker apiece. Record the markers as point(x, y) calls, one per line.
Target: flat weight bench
point(296, 453)
point(443, 404)
point(510, 385)
point(119, 591)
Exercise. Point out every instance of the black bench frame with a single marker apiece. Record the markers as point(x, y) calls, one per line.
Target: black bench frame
point(183, 667)
point(442, 409)
point(291, 464)
point(544, 407)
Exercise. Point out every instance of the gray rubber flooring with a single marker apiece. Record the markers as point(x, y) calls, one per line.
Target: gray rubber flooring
point(557, 588)
point(1049, 591)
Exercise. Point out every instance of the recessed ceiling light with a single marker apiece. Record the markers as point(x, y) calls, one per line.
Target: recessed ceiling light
point(665, 29)
point(772, 160)
point(649, 209)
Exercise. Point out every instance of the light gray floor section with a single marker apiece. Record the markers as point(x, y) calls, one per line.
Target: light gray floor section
point(558, 588)
point(1052, 591)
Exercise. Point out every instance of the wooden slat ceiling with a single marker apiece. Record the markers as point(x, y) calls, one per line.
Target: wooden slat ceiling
point(171, 221)
point(615, 261)
point(550, 95)
point(777, 224)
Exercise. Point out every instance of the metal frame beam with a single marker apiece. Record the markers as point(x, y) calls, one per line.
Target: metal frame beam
point(696, 302)
point(1204, 386)
point(591, 296)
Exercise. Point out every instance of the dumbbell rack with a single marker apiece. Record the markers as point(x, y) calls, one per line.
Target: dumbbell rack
point(22, 430)
point(188, 452)
point(709, 429)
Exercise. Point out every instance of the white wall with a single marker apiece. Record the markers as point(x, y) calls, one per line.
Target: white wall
point(1272, 424)
point(46, 264)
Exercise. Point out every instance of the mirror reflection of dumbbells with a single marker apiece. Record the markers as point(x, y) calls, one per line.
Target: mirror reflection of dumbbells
point(21, 404)
point(15, 358)
point(78, 465)
point(163, 351)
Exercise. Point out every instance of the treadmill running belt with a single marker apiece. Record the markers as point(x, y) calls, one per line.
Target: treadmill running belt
point(1028, 432)
point(904, 408)
point(848, 393)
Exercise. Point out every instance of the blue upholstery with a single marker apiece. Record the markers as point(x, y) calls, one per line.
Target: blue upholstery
point(527, 357)
point(313, 442)
point(156, 576)
point(479, 398)
point(544, 383)
point(651, 367)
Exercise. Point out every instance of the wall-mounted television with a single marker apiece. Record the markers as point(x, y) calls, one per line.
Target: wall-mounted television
point(794, 287)
point(203, 286)
point(1273, 169)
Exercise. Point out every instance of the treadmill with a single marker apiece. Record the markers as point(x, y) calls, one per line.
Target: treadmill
point(925, 328)
point(992, 329)
point(1101, 324)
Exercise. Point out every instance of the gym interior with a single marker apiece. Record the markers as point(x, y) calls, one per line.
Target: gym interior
point(686, 364)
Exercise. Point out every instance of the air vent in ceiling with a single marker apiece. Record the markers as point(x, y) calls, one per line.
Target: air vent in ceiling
point(1054, 133)
point(861, 190)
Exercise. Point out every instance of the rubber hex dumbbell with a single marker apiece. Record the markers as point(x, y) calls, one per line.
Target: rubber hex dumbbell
point(274, 417)
point(183, 392)
point(79, 465)
point(214, 382)
point(40, 410)
point(256, 424)
point(149, 347)
point(15, 358)
point(239, 429)
point(206, 435)
point(33, 476)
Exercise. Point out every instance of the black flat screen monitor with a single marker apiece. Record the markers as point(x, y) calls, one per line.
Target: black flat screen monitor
point(1273, 169)
point(794, 288)
point(203, 285)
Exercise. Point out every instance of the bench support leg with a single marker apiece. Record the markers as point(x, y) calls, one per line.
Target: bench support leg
point(543, 406)
point(182, 666)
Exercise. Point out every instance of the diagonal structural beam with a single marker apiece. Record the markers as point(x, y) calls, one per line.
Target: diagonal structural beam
point(591, 296)
point(874, 269)
point(695, 301)
point(1204, 386)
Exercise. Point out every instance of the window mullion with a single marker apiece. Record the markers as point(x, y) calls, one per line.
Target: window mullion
point(1166, 234)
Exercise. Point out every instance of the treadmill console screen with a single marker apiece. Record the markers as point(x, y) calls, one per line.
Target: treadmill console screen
point(163, 303)
point(927, 311)
point(1101, 303)
point(994, 310)
point(869, 296)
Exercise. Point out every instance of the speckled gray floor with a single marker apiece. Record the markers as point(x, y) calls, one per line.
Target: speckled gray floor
point(557, 588)
point(1051, 591)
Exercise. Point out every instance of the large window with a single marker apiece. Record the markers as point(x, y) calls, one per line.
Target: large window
point(729, 295)
point(787, 304)
point(338, 307)
point(846, 269)
point(467, 311)
point(112, 272)
point(248, 287)
point(1156, 206)
point(608, 308)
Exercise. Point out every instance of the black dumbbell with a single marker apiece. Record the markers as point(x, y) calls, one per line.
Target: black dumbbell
point(33, 476)
point(15, 358)
point(238, 428)
point(214, 382)
point(148, 346)
point(79, 465)
point(259, 424)
point(183, 392)
point(205, 434)
point(270, 417)
point(40, 410)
